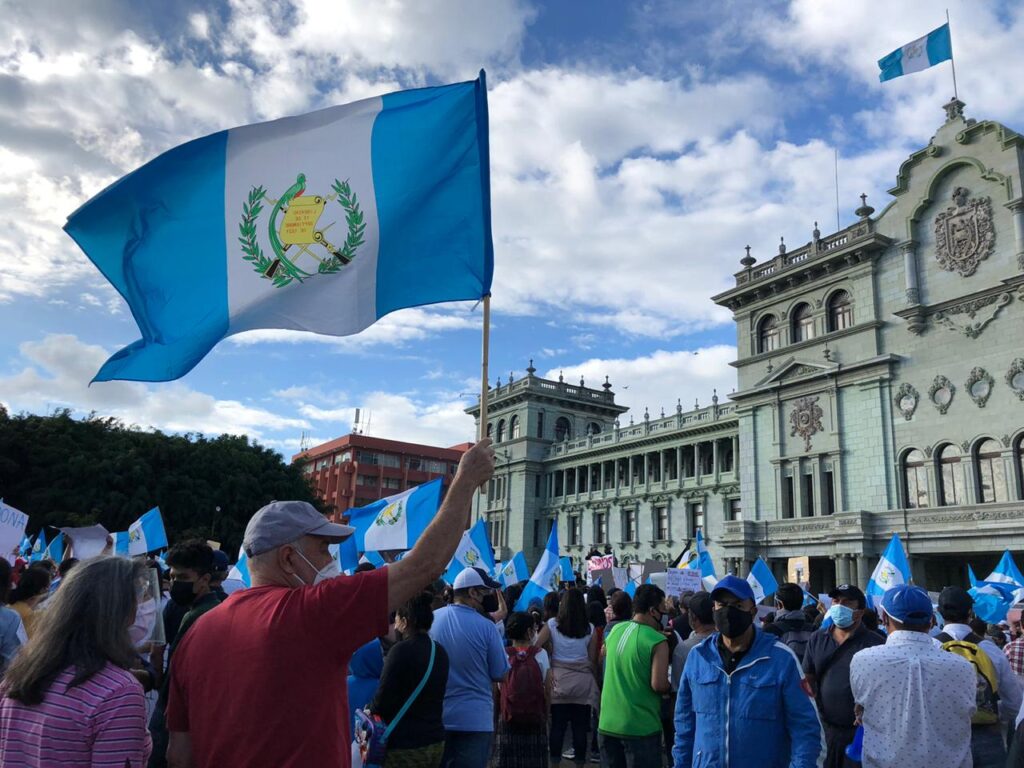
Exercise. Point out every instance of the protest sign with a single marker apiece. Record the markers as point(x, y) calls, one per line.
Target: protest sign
point(600, 563)
point(679, 580)
point(651, 566)
point(621, 577)
point(88, 541)
point(605, 576)
point(12, 530)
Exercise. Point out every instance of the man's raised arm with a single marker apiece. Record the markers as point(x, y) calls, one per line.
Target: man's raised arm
point(431, 554)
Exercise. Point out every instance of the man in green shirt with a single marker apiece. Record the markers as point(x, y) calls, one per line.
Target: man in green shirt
point(635, 678)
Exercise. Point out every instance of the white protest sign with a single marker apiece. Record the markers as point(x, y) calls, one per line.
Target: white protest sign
point(679, 580)
point(88, 541)
point(620, 577)
point(12, 530)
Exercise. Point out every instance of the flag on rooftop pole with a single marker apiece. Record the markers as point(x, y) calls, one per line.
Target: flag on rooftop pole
point(325, 222)
point(1007, 572)
point(762, 581)
point(147, 534)
point(474, 551)
point(395, 522)
point(514, 570)
point(540, 581)
point(927, 51)
point(891, 571)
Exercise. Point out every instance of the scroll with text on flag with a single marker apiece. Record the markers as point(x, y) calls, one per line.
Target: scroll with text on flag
point(324, 222)
point(395, 522)
point(147, 534)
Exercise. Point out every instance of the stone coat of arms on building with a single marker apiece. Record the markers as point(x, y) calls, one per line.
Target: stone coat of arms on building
point(805, 419)
point(964, 235)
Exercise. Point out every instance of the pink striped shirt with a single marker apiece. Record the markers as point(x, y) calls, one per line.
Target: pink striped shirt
point(101, 722)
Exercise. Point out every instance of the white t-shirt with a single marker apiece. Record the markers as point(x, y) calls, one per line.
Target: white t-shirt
point(568, 649)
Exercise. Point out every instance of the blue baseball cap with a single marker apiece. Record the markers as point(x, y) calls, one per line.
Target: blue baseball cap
point(736, 586)
point(908, 605)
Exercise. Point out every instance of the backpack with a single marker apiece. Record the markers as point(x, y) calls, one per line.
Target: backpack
point(522, 694)
point(797, 640)
point(987, 704)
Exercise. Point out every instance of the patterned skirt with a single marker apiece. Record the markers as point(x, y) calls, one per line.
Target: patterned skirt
point(420, 757)
point(520, 746)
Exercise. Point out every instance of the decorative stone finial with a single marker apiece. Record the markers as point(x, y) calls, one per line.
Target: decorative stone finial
point(511, 378)
point(954, 109)
point(607, 384)
point(531, 370)
point(696, 404)
point(679, 405)
point(560, 379)
point(865, 210)
point(714, 396)
point(499, 382)
point(782, 246)
point(827, 353)
point(631, 420)
point(581, 382)
point(748, 261)
point(816, 234)
point(663, 411)
point(647, 415)
point(770, 366)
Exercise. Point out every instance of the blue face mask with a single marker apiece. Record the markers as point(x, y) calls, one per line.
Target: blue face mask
point(841, 615)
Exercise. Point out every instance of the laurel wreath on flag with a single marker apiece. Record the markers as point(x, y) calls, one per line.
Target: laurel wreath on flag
point(254, 254)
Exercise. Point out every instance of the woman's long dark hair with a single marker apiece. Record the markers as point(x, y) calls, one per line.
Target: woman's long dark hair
point(85, 626)
point(33, 581)
point(572, 615)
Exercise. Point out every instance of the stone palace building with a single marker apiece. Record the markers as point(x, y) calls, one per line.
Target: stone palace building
point(880, 389)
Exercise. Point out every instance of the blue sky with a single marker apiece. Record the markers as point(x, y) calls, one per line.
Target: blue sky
point(636, 148)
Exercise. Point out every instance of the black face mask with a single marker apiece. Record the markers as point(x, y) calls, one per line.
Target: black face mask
point(489, 602)
point(183, 593)
point(732, 622)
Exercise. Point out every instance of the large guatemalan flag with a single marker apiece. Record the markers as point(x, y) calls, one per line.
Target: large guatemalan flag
point(892, 570)
point(324, 222)
point(920, 54)
point(395, 522)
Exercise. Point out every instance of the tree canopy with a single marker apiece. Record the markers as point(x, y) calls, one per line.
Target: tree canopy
point(63, 471)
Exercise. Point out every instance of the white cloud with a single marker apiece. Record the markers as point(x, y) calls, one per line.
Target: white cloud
point(57, 371)
point(661, 379)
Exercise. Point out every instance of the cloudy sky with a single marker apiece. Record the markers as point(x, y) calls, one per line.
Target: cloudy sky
point(635, 149)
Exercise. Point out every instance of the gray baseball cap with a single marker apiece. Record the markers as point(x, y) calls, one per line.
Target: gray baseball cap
point(282, 522)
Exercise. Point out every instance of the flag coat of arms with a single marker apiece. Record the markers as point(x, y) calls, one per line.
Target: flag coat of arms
point(39, 547)
point(474, 551)
point(762, 581)
point(147, 534)
point(324, 222)
point(891, 571)
point(395, 522)
point(514, 570)
point(927, 51)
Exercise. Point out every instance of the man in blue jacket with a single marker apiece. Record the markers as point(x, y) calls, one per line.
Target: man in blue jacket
point(743, 700)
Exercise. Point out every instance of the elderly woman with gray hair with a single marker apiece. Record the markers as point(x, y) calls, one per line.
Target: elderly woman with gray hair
point(68, 698)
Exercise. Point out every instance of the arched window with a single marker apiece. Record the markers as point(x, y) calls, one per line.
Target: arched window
point(490, 429)
point(593, 428)
point(991, 473)
point(951, 477)
point(501, 431)
point(563, 429)
point(1018, 460)
point(840, 311)
point(513, 428)
point(915, 476)
point(768, 338)
point(803, 323)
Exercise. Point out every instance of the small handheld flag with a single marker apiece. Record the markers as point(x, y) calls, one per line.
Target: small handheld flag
point(240, 570)
point(919, 54)
point(703, 563)
point(565, 564)
point(39, 547)
point(992, 600)
point(55, 551)
point(147, 534)
point(762, 581)
point(514, 570)
point(474, 551)
point(395, 522)
point(121, 543)
point(324, 222)
point(891, 571)
point(1007, 572)
point(540, 581)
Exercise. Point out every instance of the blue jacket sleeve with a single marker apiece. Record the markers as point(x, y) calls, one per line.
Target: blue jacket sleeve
point(807, 737)
point(685, 721)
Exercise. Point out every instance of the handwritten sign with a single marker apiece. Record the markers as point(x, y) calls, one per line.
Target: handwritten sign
point(12, 530)
point(679, 580)
point(600, 563)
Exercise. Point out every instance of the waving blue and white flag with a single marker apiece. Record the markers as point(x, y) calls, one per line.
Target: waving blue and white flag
point(25, 548)
point(147, 534)
point(891, 571)
point(474, 551)
point(704, 563)
point(992, 600)
point(55, 550)
point(920, 54)
point(762, 581)
point(1007, 572)
point(348, 555)
point(324, 222)
point(120, 547)
point(540, 581)
point(38, 547)
point(514, 570)
point(395, 522)
point(238, 576)
point(565, 568)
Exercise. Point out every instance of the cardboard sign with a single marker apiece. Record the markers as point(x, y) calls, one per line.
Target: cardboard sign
point(651, 566)
point(620, 577)
point(679, 580)
point(12, 530)
point(606, 577)
point(798, 570)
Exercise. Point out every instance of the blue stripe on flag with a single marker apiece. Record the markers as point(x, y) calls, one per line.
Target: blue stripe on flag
point(158, 236)
point(431, 180)
point(939, 45)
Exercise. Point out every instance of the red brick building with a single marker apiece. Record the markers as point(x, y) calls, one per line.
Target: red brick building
point(356, 470)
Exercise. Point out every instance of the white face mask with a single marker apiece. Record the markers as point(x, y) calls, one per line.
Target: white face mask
point(329, 571)
point(145, 620)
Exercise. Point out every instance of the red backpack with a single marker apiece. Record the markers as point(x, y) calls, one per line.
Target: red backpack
point(522, 695)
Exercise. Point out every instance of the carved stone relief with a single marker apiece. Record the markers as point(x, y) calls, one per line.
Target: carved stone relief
point(941, 393)
point(1015, 377)
point(906, 400)
point(971, 317)
point(979, 386)
point(805, 419)
point(964, 235)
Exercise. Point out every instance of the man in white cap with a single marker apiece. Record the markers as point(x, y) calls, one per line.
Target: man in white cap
point(476, 660)
point(261, 680)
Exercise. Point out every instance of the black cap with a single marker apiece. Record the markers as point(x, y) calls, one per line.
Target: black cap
point(699, 605)
point(849, 591)
point(955, 599)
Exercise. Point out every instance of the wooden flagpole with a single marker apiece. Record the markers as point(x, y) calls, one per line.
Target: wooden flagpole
point(484, 359)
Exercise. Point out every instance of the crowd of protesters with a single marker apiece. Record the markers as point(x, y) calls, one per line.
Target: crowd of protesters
point(394, 667)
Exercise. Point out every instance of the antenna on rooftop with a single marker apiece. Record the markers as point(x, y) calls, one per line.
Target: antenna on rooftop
point(304, 442)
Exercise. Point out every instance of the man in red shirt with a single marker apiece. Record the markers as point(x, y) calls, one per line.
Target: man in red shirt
point(261, 679)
